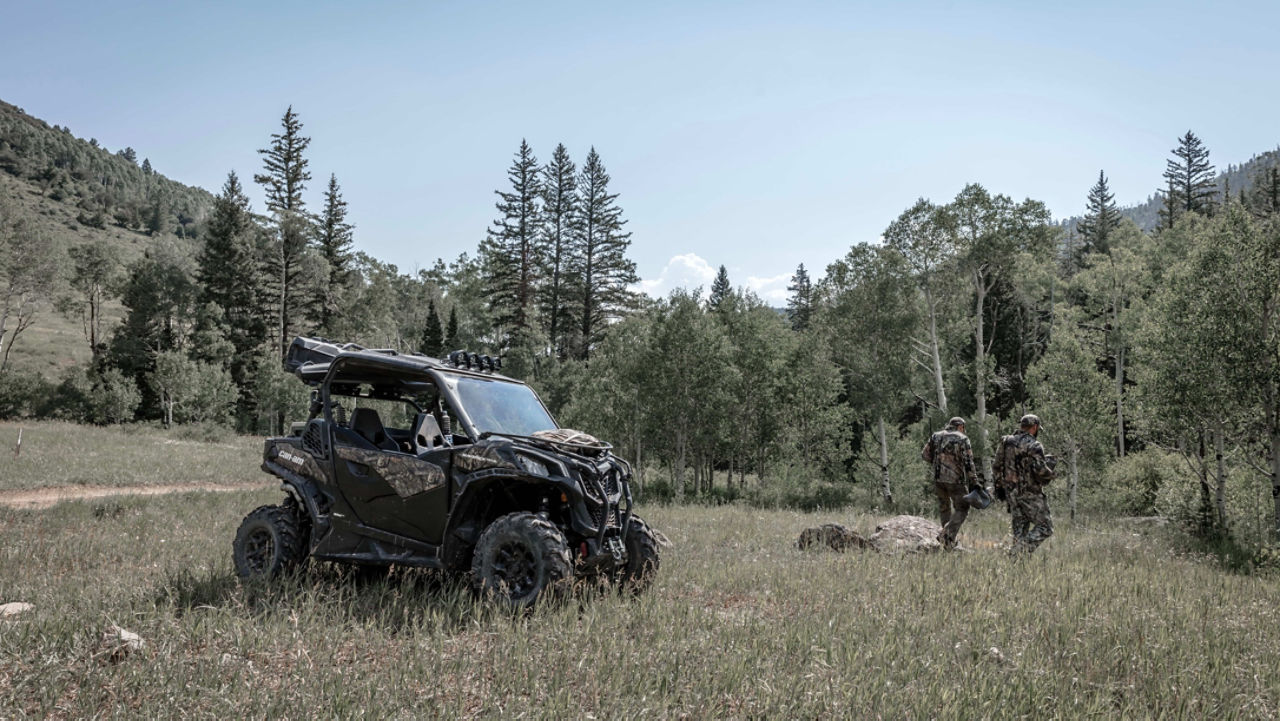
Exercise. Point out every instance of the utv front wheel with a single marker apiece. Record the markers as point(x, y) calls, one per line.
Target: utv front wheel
point(642, 557)
point(270, 541)
point(521, 559)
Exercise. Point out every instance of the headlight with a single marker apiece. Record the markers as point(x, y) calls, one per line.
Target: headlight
point(532, 466)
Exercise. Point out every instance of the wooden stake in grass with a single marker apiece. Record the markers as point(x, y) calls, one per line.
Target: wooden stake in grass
point(18, 448)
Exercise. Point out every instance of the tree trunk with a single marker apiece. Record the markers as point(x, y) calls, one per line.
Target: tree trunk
point(679, 469)
point(1120, 400)
point(1273, 432)
point(1206, 504)
point(1073, 457)
point(885, 489)
point(933, 349)
point(980, 373)
point(1220, 492)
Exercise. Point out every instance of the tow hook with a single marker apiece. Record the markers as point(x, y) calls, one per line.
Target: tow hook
point(612, 555)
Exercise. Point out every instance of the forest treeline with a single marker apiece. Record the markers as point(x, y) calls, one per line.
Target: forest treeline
point(1152, 355)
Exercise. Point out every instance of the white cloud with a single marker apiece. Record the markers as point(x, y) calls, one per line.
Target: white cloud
point(683, 271)
point(690, 271)
point(771, 290)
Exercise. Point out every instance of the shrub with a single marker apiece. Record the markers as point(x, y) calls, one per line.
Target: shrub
point(22, 394)
point(1131, 485)
point(113, 398)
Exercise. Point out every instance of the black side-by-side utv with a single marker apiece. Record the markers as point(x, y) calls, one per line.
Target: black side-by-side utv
point(443, 464)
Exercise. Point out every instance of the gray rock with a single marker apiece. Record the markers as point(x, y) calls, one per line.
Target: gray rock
point(831, 535)
point(118, 643)
point(906, 534)
point(14, 608)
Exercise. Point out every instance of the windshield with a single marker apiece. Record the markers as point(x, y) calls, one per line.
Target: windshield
point(502, 407)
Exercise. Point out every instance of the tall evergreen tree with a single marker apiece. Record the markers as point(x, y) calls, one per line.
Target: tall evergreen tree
point(451, 330)
point(800, 304)
point(284, 178)
point(720, 289)
point(1191, 179)
point(1265, 198)
point(230, 278)
point(432, 334)
point(559, 224)
point(513, 253)
point(334, 241)
point(600, 256)
point(1100, 219)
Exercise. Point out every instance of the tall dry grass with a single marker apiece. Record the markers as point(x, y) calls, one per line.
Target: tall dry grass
point(740, 624)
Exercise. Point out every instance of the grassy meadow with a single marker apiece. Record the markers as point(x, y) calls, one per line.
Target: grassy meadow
point(68, 454)
point(1102, 623)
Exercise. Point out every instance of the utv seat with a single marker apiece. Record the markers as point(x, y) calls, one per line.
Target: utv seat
point(426, 433)
point(366, 423)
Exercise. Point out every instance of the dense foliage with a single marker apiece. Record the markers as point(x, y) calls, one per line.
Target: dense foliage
point(1153, 353)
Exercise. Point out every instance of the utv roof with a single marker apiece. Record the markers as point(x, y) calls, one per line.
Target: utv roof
point(311, 358)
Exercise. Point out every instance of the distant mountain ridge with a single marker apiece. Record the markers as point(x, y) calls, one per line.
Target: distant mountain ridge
point(1147, 213)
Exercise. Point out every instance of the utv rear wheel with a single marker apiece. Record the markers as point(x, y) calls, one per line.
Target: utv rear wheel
point(271, 540)
point(642, 557)
point(520, 560)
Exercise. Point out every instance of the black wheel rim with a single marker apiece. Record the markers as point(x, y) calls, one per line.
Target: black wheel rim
point(515, 569)
point(259, 550)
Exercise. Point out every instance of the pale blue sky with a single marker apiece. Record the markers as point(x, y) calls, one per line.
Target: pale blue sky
point(757, 135)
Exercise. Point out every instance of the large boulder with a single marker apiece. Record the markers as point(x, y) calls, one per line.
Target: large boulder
point(906, 534)
point(831, 535)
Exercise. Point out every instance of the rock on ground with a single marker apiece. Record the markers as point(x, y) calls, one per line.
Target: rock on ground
point(14, 608)
point(832, 535)
point(906, 534)
point(118, 643)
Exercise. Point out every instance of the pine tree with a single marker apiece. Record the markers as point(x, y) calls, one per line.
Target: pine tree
point(1168, 213)
point(230, 278)
point(720, 289)
point(513, 253)
point(432, 334)
point(800, 304)
point(334, 241)
point(600, 256)
point(1265, 198)
point(146, 166)
point(559, 223)
point(1191, 179)
point(451, 330)
point(1100, 219)
point(284, 179)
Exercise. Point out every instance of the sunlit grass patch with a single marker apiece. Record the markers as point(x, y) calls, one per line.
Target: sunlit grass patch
point(65, 454)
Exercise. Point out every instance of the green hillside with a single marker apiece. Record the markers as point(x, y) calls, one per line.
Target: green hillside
point(73, 192)
point(1235, 178)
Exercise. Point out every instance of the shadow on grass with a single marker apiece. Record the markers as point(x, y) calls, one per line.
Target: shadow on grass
point(400, 597)
point(391, 599)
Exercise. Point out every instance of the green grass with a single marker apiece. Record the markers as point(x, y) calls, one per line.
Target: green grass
point(740, 624)
point(61, 454)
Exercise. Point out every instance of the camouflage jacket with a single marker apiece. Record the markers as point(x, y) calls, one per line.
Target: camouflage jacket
point(1020, 462)
point(951, 456)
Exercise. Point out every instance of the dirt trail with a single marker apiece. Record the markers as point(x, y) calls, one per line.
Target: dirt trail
point(37, 498)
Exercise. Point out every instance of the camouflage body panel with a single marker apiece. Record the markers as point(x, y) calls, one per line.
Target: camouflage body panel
point(951, 455)
point(290, 455)
point(1020, 462)
point(485, 454)
point(407, 475)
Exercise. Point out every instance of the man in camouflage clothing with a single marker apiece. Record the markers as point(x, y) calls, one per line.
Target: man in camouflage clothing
point(1022, 470)
point(954, 475)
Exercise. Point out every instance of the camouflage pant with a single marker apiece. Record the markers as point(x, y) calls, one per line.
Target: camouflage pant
point(1032, 523)
point(953, 509)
